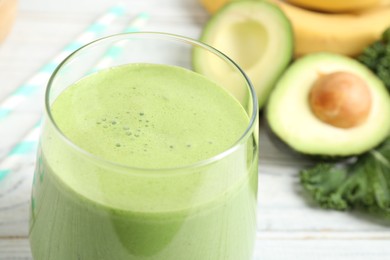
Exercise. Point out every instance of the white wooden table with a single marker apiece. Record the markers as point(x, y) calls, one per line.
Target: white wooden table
point(289, 227)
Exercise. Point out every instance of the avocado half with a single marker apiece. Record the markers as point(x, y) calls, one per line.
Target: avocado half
point(291, 119)
point(256, 35)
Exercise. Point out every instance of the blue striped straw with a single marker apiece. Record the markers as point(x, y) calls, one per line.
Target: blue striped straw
point(116, 49)
point(40, 79)
point(20, 151)
point(29, 144)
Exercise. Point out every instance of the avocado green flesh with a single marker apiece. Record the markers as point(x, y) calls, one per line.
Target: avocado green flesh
point(257, 36)
point(245, 42)
point(290, 117)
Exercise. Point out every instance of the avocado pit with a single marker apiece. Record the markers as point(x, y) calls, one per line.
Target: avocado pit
point(340, 99)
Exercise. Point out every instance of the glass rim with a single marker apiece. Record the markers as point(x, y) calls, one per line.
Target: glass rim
point(162, 35)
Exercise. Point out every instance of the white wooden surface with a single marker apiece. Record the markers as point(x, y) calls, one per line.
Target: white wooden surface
point(289, 226)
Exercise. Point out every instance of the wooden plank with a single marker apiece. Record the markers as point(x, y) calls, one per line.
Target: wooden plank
point(15, 249)
point(15, 192)
point(322, 250)
point(275, 249)
point(14, 128)
point(283, 206)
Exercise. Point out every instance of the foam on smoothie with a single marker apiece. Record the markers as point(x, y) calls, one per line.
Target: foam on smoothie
point(149, 116)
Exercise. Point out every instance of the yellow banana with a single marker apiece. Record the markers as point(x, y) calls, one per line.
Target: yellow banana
point(346, 34)
point(213, 5)
point(335, 6)
point(385, 2)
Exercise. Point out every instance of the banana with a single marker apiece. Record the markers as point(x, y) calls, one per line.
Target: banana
point(346, 34)
point(213, 5)
point(335, 6)
point(385, 2)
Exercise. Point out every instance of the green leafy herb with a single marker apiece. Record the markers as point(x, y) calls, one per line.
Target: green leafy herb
point(377, 58)
point(363, 184)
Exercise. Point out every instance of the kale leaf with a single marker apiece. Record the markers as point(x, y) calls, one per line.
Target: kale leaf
point(377, 58)
point(362, 184)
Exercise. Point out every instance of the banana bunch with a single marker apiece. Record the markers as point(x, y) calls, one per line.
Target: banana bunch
point(347, 33)
point(344, 27)
point(335, 6)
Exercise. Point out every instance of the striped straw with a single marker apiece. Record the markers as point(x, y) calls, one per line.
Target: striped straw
point(20, 151)
point(40, 79)
point(116, 49)
point(29, 144)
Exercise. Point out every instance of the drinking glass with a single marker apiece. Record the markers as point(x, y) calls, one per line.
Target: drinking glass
point(204, 210)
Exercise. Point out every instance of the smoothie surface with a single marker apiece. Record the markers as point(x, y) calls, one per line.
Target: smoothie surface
point(150, 116)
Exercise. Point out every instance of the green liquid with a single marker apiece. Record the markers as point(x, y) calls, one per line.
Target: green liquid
point(150, 117)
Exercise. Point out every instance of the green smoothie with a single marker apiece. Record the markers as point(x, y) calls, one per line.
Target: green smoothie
point(139, 187)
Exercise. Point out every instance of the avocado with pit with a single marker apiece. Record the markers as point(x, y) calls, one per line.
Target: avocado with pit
point(257, 36)
point(329, 105)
